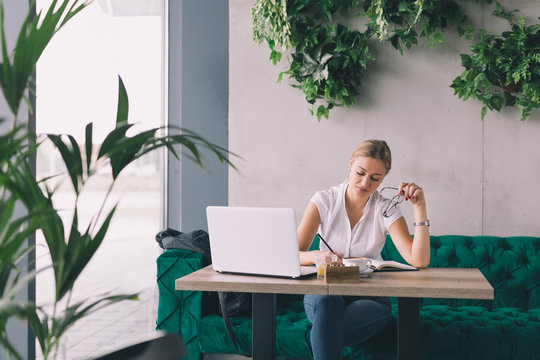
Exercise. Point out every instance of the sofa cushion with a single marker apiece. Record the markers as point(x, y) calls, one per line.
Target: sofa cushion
point(472, 332)
point(468, 332)
point(179, 311)
point(291, 325)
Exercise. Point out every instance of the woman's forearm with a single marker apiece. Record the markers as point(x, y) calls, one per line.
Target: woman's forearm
point(421, 244)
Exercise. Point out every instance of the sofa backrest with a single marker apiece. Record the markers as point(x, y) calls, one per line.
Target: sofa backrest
point(510, 264)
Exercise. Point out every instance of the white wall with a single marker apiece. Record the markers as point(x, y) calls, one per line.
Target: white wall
point(480, 178)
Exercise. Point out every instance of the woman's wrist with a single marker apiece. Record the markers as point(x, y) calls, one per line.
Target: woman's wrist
point(420, 213)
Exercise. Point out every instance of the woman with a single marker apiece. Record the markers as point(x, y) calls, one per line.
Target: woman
point(354, 219)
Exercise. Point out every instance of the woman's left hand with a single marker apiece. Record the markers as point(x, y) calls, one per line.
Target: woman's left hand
point(412, 193)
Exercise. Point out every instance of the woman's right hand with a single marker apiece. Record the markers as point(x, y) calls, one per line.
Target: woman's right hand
point(309, 257)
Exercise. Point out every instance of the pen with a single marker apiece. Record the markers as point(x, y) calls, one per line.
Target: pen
point(328, 246)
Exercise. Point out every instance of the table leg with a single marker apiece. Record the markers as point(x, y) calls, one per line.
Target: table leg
point(264, 326)
point(408, 329)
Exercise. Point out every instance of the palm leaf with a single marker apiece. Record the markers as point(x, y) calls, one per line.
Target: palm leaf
point(34, 36)
point(80, 249)
point(12, 142)
point(72, 159)
point(73, 313)
point(88, 144)
point(27, 311)
point(22, 184)
point(123, 104)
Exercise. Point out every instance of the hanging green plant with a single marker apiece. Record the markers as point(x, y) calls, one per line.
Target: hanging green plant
point(328, 67)
point(328, 60)
point(397, 20)
point(503, 70)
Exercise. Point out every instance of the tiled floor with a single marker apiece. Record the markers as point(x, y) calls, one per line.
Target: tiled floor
point(112, 328)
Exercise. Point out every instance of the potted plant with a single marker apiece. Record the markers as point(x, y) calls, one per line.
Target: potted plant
point(503, 70)
point(70, 246)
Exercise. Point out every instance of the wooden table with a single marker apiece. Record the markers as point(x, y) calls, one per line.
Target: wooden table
point(408, 286)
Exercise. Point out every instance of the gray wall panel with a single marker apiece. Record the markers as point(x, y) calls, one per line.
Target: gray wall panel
point(14, 14)
point(198, 100)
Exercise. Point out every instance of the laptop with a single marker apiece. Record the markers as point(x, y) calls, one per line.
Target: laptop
point(254, 240)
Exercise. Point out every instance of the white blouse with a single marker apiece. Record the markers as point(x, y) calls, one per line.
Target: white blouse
point(367, 237)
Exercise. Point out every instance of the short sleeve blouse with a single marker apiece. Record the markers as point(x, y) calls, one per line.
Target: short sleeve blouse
point(367, 237)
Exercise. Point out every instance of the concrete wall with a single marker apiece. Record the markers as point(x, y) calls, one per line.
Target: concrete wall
point(480, 178)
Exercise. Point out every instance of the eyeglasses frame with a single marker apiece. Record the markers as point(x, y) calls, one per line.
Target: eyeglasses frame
point(394, 202)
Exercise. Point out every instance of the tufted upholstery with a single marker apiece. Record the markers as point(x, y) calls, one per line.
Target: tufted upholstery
point(179, 311)
point(511, 265)
point(506, 328)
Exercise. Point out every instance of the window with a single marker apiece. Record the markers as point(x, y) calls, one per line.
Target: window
point(77, 84)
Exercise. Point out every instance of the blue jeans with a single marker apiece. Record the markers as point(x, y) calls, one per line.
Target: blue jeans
point(340, 321)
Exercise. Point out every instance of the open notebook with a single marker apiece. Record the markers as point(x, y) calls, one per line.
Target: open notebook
point(253, 240)
point(390, 265)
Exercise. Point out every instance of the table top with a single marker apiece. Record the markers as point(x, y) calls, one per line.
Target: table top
point(456, 283)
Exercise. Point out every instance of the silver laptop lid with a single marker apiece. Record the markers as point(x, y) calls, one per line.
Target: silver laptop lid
point(254, 240)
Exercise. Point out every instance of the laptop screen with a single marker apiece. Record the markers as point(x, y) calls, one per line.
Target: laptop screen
point(253, 240)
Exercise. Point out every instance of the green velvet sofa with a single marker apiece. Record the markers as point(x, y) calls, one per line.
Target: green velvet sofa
point(506, 328)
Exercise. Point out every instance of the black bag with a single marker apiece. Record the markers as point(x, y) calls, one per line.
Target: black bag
point(230, 303)
point(194, 241)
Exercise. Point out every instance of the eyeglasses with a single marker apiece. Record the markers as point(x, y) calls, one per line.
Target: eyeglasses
point(390, 209)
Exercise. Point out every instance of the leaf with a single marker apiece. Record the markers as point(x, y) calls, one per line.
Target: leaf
point(466, 61)
point(75, 312)
point(325, 58)
point(322, 111)
point(403, 6)
point(88, 143)
point(129, 149)
point(72, 159)
point(17, 69)
point(80, 249)
point(500, 12)
point(123, 104)
point(496, 102)
point(309, 59)
point(394, 40)
point(112, 140)
point(275, 57)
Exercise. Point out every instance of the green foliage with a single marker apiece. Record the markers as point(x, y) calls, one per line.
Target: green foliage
point(503, 70)
point(329, 65)
point(270, 23)
point(71, 252)
point(397, 20)
point(328, 60)
point(34, 36)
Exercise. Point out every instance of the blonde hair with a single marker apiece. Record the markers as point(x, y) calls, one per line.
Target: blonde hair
point(375, 149)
